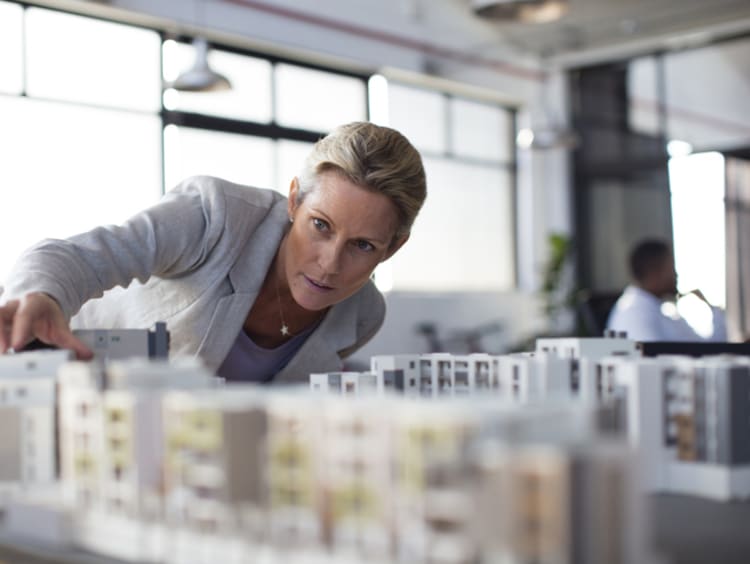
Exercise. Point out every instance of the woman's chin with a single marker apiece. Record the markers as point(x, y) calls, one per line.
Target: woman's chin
point(313, 302)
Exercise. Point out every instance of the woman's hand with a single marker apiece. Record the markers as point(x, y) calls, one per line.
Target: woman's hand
point(37, 316)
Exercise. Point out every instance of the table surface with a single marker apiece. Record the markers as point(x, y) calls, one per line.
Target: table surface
point(686, 530)
point(693, 530)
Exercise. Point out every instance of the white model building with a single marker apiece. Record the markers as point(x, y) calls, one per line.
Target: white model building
point(592, 348)
point(399, 373)
point(356, 479)
point(707, 408)
point(348, 383)
point(633, 389)
point(528, 377)
point(585, 352)
point(688, 418)
point(120, 344)
point(326, 382)
point(433, 503)
point(439, 368)
point(215, 470)
point(27, 419)
point(436, 374)
point(482, 373)
point(566, 504)
point(522, 377)
point(293, 473)
point(83, 388)
point(111, 421)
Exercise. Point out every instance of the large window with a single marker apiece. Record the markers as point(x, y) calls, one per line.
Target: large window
point(88, 61)
point(317, 100)
point(697, 187)
point(259, 132)
point(698, 96)
point(90, 136)
point(82, 147)
point(243, 159)
point(463, 238)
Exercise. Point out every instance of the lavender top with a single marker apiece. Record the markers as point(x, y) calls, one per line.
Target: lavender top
point(247, 362)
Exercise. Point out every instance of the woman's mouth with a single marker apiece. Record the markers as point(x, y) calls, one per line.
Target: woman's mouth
point(315, 285)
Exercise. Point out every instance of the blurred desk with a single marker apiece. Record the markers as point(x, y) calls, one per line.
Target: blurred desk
point(693, 530)
point(19, 551)
point(694, 349)
point(686, 530)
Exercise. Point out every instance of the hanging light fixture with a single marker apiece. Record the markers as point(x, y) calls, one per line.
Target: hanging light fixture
point(200, 77)
point(547, 128)
point(547, 136)
point(524, 11)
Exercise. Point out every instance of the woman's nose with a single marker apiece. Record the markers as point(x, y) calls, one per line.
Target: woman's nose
point(329, 258)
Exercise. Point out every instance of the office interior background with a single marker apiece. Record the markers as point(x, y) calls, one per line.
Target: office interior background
point(550, 148)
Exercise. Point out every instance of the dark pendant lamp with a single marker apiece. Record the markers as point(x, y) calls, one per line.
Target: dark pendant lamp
point(200, 77)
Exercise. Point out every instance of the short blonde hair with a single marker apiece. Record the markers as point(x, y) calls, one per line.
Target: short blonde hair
point(376, 158)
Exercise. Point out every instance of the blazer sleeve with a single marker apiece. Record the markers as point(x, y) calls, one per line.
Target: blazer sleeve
point(168, 239)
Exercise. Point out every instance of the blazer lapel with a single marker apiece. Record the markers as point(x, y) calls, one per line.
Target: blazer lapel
point(245, 280)
point(252, 265)
point(226, 323)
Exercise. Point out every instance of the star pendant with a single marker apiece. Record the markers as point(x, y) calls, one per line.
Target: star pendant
point(284, 330)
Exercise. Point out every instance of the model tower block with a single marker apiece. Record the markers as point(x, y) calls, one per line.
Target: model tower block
point(28, 399)
point(357, 479)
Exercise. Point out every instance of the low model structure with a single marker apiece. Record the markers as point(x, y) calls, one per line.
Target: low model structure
point(689, 420)
point(112, 430)
point(27, 420)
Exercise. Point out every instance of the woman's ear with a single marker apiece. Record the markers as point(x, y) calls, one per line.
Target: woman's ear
point(293, 195)
point(395, 247)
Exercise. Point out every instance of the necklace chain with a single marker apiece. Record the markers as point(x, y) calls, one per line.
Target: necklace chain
point(284, 327)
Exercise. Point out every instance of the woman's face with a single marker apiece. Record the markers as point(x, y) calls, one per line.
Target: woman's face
point(339, 234)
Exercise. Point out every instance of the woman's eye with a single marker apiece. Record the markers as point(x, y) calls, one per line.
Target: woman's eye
point(319, 224)
point(365, 246)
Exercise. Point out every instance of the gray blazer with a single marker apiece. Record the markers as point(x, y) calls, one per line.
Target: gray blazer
point(196, 260)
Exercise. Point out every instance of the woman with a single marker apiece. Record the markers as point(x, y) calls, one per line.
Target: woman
point(260, 286)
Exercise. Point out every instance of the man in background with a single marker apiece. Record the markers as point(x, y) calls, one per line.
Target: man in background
point(639, 312)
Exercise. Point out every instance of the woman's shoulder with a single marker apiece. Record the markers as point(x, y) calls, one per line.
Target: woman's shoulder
point(215, 187)
point(371, 305)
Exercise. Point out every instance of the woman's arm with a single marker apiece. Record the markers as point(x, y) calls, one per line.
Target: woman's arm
point(168, 239)
point(37, 315)
point(53, 279)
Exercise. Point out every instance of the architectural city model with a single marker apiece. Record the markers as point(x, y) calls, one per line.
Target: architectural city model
point(540, 456)
point(687, 417)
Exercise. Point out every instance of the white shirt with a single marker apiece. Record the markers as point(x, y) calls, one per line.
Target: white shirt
point(639, 314)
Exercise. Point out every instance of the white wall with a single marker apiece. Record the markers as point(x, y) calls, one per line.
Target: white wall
point(516, 313)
